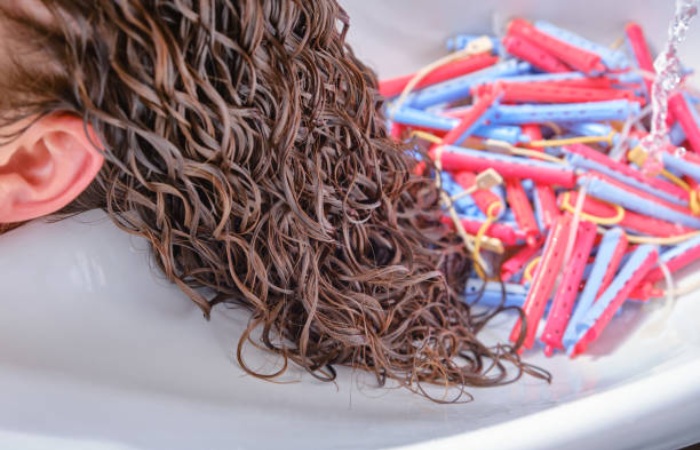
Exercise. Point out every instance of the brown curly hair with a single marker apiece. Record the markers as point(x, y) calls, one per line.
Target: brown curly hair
point(246, 143)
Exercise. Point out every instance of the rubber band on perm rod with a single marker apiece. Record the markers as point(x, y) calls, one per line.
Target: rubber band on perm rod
point(605, 221)
point(473, 244)
point(529, 271)
point(480, 45)
point(491, 216)
point(570, 141)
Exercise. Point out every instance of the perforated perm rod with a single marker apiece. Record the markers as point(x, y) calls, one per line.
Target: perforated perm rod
point(394, 86)
point(460, 159)
point(611, 191)
point(424, 120)
point(612, 59)
point(594, 161)
point(632, 274)
point(522, 209)
point(463, 204)
point(517, 262)
point(485, 199)
point(570, 79)
point(567, 291)
point(544, 280)
point(554, 93)
point(610, 251)
point(684, 111)
point(677, 258)
point(478, 115)
point(613, 110)
point(492, 293)
point(535, 55)
point(545, 200)
point(631, 221)
point(460, 88)
point(621, 171)
point(642, 56)
point(504, 232)
point(578, 58)
point(682, 165)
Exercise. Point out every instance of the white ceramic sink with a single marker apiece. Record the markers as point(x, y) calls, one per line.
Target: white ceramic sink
point(98, 352)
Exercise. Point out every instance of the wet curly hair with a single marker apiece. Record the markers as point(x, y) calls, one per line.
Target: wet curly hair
point(245, 142)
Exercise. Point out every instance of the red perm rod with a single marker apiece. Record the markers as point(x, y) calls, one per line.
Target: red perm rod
point(552, 93)
point(588, 83)
point(631, 275)
point(615, 262)
point(543, 281)
point(640, 49)
point(602, 84)
point(645, 291)
point(679, 107)
point(690, 255)
point(508, 235)
point(394, 86)
point(563, 303)
point(545, 197)
point(581, 60)
point(524, 215)
point(624, 169)
point(470, 120)
point(396, 131)
point(631, 220)
point(530, 52)
point(517, 262)
point(458, 159)
point(483, 198)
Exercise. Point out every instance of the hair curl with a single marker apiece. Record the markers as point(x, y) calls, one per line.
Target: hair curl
point(245, 142)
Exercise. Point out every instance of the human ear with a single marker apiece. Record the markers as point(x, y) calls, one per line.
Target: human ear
point(46, 167)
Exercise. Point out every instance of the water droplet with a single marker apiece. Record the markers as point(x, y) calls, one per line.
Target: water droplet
point(669, 74)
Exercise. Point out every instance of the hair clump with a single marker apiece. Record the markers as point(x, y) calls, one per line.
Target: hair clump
point(245, 142)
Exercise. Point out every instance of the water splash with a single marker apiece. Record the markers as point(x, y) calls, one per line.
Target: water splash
point(669, 74)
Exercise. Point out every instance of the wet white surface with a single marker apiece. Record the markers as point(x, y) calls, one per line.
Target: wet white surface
point(98, 352)
point(95, 347)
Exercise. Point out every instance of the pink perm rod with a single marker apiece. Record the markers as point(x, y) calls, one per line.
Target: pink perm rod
point(522, 209)
point(632, 274)
point(566, 293)
point(545, 199)
point(517, 262)
point(456, 159)
point(543, 281)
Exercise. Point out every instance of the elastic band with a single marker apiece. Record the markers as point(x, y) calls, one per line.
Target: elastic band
point(607, 221)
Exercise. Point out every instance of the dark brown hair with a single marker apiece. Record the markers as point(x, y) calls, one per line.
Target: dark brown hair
point(245, 142)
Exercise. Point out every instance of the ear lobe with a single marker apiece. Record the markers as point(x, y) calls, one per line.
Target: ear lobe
point(46, 168)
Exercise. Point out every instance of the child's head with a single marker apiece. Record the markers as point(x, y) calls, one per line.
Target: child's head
point(242, 139)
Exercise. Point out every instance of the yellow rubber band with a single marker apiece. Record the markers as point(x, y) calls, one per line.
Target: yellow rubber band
point(675, 180)
point(638, 156)
point(694, 202)
point(570, 141)
point(426, 136)
point(491, 216)
point(671, 240)
point(480, 45)
point(538, 155)
point(607, 221)
point(530, 268)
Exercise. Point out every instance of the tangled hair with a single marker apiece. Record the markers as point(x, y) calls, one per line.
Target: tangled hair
point(245, 142)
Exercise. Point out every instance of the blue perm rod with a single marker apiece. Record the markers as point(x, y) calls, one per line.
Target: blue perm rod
point(618, 110)
point(460, 88)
